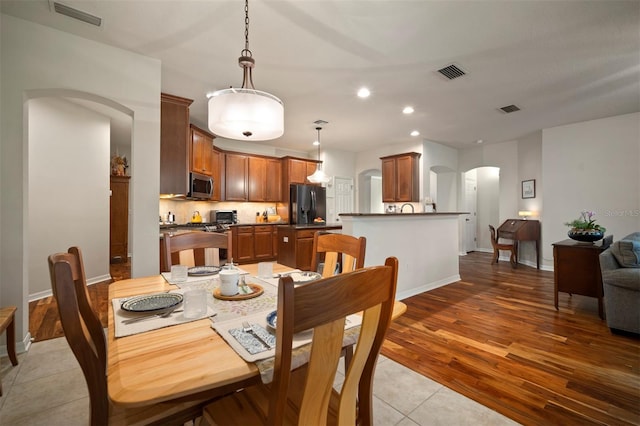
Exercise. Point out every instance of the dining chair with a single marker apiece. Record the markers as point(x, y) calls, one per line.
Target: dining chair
point(306, 396)
point(172, 245)
point(339, 251)
point(85, 336)
point(502, 246)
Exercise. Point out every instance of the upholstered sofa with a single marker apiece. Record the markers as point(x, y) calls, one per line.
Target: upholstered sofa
point(620, 267)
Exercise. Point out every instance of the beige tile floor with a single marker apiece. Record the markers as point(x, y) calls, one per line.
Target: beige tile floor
point(48, 388)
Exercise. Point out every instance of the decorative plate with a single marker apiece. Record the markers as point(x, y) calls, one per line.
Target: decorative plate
point(256, 290)
point(152, 302)
point(203, 271)
point(305, 276)
point(272, 319)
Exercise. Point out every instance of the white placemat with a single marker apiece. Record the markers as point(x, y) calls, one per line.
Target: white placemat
point(153, 323)
point(264, 358)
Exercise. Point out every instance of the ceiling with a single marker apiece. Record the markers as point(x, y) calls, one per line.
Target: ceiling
point(559, 61)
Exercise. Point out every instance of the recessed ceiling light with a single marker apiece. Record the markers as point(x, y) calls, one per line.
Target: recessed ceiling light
point(316, 143)
point(407, 110)
point(363, 92)
point(479, 141)
point(415, 133)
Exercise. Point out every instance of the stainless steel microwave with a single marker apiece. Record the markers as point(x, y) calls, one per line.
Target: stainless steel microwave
point(200, 186)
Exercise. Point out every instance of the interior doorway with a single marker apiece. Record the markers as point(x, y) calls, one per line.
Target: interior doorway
point(481, 198)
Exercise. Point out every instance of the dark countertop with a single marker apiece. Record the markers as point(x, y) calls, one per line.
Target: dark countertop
point(401, 214)
point(313, 226)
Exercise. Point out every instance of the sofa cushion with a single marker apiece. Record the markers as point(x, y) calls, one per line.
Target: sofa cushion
point(627, 253)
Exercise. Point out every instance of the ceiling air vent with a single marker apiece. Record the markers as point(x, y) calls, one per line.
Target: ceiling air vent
point(452, 71)
point(77, 14)
point(509, 108)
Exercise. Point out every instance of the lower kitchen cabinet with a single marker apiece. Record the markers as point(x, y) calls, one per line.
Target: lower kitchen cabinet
point(295, 245)
point(253, 243)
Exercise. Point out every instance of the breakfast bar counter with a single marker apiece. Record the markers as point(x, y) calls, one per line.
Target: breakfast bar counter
point(426, 245)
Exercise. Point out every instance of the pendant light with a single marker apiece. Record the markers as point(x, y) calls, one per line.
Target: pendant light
point(318, 176)
point(246, 113)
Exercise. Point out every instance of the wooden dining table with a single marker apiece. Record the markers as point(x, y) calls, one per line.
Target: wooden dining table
point(181, 361)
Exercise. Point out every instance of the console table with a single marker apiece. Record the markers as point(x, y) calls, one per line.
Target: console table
point(576, 270)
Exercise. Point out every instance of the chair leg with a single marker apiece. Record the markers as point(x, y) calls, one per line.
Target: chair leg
point(11, 341)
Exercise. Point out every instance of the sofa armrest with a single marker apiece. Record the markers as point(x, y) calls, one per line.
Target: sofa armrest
point(628, 278)
point(608, 261)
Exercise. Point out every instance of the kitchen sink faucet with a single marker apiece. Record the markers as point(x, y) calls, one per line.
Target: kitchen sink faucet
point(407, 204)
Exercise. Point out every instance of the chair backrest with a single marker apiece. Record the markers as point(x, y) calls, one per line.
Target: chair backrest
point(323, 306)
point(494, 240)
point(81, 326)
point(196, 241)
point(346, 249)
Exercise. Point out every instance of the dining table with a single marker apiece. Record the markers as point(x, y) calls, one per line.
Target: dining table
point(181, 361)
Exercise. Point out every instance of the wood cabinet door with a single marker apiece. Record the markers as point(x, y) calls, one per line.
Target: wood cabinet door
point(243, 244)
point(236, 171)
point(257, 179)
point(263, 242)
point(273, 190)
point(119, 218)
point(217, 169)
point(174, 148)
point(404, 178)
point(297, 171)
point(304, 251)
point(388, 180)
point(201, 151)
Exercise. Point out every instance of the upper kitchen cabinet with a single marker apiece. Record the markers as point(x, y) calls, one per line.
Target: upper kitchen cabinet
point(401, 177)
point(201, 151)
point(217, 172)
point(296, 170)
point(236, 174)
point(174, 146)
point(265, 179)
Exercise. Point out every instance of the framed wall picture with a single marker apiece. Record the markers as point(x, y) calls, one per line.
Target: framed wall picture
point(529, 188)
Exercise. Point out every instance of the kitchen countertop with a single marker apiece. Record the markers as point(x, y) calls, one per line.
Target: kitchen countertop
point(314, 226)
point(401, 214)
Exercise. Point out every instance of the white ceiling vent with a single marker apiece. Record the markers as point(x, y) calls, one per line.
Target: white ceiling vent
point(76, 14)
point(452, 71)
point(509, 108)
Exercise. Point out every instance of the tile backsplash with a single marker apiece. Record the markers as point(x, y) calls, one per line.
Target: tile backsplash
point(184, 209)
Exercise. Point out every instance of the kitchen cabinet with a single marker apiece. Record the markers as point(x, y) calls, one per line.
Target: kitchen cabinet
point(119, 219)
point(201, 151)
point(295, 245)
point(401, 178)
point(253, 243)
point(265, 179)
point(174, 146)
point(217, 172)
point(297, 170)
point(236, 175)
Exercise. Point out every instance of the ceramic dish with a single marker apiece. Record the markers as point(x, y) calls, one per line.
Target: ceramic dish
point(203, 271)
point(272, 319)
point(256, 290)
point(304, 277)
point(151, 302)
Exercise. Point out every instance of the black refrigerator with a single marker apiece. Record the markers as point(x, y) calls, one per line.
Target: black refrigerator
point(307, 203)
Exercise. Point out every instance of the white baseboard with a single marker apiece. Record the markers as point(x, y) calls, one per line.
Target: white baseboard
point(46, 293)
point(21, 346)
point(427, 287)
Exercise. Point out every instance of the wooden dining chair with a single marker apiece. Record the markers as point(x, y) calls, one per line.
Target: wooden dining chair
point(85, 336)
point(346, 250)
point(513, 259)
point(322, 306)
point(172, 245)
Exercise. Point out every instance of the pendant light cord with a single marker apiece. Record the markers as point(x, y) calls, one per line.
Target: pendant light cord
point(246, 29)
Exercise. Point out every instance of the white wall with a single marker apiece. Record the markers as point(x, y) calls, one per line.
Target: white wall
point(71, 143)
point(39, 61)
point(593, 165)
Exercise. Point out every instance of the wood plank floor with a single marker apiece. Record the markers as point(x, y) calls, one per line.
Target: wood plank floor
point(495, 337)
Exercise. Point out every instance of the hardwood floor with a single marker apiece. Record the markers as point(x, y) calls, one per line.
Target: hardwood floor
point(44, 321)
point(496, 338)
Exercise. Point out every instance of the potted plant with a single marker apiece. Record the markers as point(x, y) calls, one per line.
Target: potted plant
point(585, 229)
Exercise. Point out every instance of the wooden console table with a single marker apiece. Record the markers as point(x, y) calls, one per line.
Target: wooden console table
point(576, 270)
